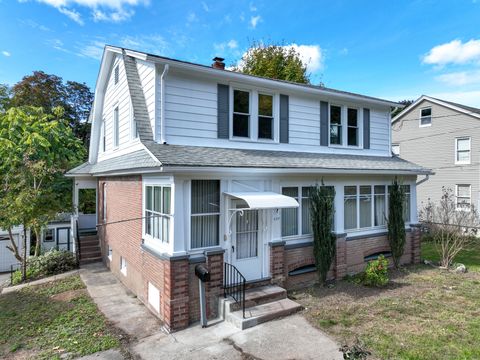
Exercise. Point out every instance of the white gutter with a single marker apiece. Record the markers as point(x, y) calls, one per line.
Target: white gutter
point(162, 102)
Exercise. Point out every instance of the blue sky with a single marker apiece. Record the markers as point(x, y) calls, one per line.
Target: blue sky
point(390, 49)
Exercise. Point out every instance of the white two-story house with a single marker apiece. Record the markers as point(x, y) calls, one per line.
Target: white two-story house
point(196, 164)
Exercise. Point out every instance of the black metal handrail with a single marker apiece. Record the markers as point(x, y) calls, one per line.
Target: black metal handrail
point(234, 285)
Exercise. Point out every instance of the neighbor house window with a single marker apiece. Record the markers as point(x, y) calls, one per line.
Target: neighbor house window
point(335, 125)
point(241, 113)
point(426, 117)
point(116, 75)
point(116, 127)
point(297, 221)
point(462, 150)
point(49, 235)
point(123, 265)
point(205, 213)
point(158, 211)
point(352, 127)
point(265, 116)
point(464, 197)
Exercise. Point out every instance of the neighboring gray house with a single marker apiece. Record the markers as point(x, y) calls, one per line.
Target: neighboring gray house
point(442, 136)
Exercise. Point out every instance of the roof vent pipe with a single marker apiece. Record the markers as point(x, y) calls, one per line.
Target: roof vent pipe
point(218, 63)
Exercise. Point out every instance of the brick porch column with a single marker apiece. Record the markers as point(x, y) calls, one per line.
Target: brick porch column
point(214, 288)
point(277, 262)
point(175, 295)
point(341, 256)
point(416, 237)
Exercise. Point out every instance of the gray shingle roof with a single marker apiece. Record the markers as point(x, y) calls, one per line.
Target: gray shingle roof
point(137, 160)
point(197, 156)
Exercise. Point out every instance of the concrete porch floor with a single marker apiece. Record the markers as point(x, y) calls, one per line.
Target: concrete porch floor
point(289, 338)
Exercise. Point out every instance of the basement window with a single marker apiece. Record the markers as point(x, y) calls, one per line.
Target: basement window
point(303, 270)
point(375, 256)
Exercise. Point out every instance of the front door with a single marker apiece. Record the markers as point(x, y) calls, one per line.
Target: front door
point(247, 244)
point(63, 239)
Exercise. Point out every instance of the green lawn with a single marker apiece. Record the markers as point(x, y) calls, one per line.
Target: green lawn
point(50, 320)
point(470, 256)
point(424, 313)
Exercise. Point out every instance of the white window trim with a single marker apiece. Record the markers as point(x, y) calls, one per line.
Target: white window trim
point(398, 146)
point(420, 117)
point(150, 241)
point(469, 150)
point(116, 126)
point(299, 233)
point(103, 144)
point(344, 124)
point(469, 196)
point(253, 114)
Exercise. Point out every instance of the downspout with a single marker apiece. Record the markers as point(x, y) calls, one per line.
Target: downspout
point(162, 100)
point(423, 180)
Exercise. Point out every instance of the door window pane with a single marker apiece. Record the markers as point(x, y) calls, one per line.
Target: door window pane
point(247, 234)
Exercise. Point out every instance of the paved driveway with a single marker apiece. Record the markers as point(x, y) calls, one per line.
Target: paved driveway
point(4, 280)
point(284, 339)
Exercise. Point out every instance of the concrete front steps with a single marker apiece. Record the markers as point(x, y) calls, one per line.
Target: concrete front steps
point(262, 304)
point(89, 246)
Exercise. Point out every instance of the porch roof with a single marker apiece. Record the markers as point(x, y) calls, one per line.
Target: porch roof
point(265, 200)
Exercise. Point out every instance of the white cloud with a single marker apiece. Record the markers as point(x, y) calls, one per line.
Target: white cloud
point(6, 53)
point(460, 78)
point(311, 56)
point(253, 7)
point(191, 17)
point(205, 6)
point(232, 44)
point(221, 47)
point(102, 10)
point(454, 52)
point(92, 50)
point(254, 20)
point(154, 43)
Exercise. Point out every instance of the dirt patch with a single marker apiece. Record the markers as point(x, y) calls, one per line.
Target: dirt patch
point(68, 296)
point(21, 355)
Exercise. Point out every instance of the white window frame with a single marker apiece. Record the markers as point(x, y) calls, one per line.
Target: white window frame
point(190, 215)
point(420, 117)
point(469, 197)
point(469, 150)
point(358, 127)
point(52, 231)
point(254, 114)
point(396, 153)
point(116, 126)
point(344, 124)
point(273, 117)
point(123, 265)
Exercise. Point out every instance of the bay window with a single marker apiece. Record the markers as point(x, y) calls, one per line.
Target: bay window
point(265, 116)
point(158, 212)
point(335, 125)
point(205, 213)
point(241, 113)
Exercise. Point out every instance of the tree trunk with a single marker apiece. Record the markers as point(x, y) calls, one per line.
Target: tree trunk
point(14, 248)
point(38, 241)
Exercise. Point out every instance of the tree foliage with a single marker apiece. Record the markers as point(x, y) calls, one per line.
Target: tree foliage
point(49, 91)
point(275, 62)
point(36, 149)
point(397, 110)
point(451, 227)
point(396, 221)
point(324, 241)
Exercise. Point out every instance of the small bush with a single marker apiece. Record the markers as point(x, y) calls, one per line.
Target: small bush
point(355, 352)
point(51, 263)
point(376, 273)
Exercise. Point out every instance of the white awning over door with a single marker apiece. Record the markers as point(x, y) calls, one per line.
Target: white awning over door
point(264, 200)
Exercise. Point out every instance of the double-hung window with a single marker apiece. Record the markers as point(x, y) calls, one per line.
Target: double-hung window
point(352, 127)
point(265, 116)
point(205, 213)
point(116, 127)
point(49, 235)
point(158, 200)
point(335, 125)
point(241, 113)
point(462, 150)
point(463, 196)
point(425, 117)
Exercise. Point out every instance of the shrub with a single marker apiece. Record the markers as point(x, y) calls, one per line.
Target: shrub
point(376, 273)
point(51, 263)
point(356, 351)
point(396, 221)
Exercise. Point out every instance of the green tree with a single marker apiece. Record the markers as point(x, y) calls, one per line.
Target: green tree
point(36, 149)
point(324, 241)
point(275, 62)
point(397, 110)
point(4, 97)
point(49, 91)
point(396, 221)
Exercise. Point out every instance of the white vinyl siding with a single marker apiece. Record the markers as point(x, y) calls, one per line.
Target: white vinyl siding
point(462, 150)
point(304, 121)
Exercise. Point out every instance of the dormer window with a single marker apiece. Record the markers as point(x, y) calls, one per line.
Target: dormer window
point(425, 117)
point(335, 125)
point(265, 116)
point(241, 113)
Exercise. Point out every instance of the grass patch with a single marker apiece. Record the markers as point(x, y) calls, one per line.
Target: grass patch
point(470, 256)
point(53, 319)
point(424, 313)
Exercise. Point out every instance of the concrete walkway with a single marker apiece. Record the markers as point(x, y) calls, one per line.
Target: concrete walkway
point(288, 338)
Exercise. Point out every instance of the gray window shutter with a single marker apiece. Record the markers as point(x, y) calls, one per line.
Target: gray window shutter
point(223, 99)
point(366, 128)
point(324, 123)
point(284, 128)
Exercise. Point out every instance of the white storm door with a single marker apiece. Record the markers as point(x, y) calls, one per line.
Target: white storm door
point(247, 244)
